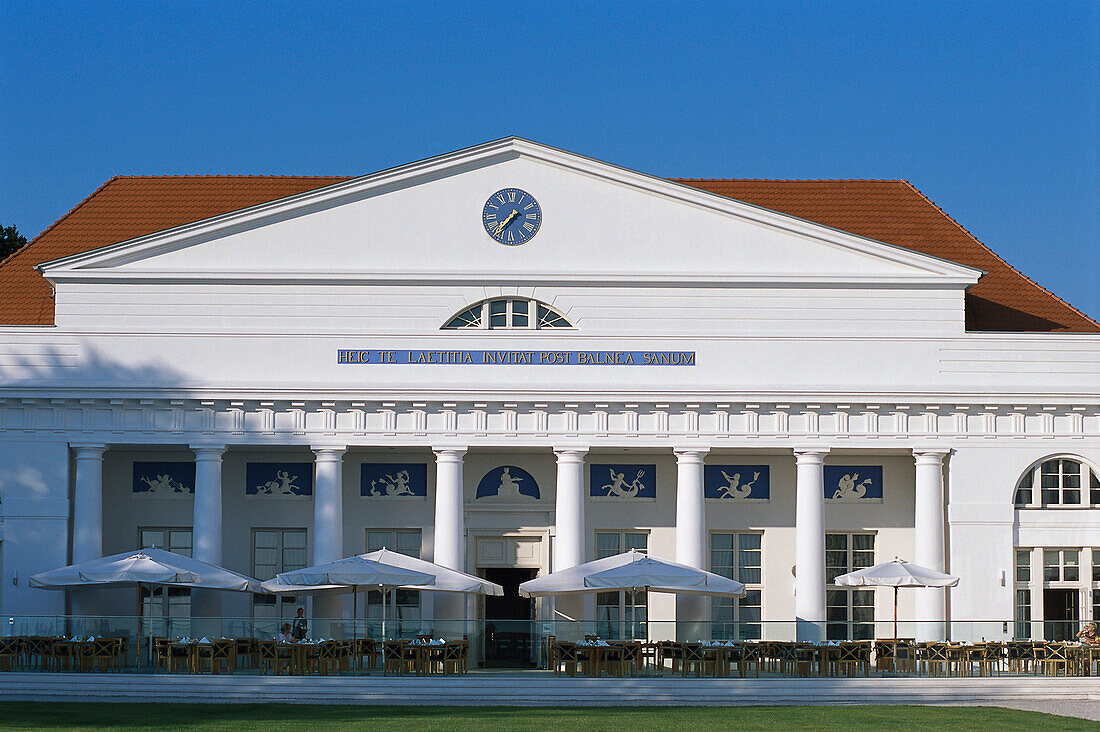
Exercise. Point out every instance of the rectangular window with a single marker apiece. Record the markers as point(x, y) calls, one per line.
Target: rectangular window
point(1023, 566)
point(1096, 568)
point(178, 541)
point(275, 551)
point(621, 614)
point(403, 606)
point(850, 613)
point(737, 556)
point(1060, 481)
point(1023, 614)
point(1094, 489)
point(1096, 605)
point(1071, 568)
point(1061, 565)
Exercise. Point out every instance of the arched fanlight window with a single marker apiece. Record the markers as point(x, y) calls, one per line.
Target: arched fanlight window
point(1060, 481)
point(513, 313)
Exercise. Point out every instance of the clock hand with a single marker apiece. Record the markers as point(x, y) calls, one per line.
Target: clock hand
point(504, 224)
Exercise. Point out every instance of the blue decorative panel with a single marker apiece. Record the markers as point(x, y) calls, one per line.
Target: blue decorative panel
point(736, 482)
point(397, 480)
point(164, 479)
point(622, 481)
point(508, 481)
point(286, 480)
point(850, 483)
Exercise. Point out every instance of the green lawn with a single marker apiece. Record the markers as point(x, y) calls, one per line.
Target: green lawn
point(38, 715)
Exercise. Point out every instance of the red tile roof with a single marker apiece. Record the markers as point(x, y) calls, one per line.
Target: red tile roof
point(894, 211)
point(126, 207)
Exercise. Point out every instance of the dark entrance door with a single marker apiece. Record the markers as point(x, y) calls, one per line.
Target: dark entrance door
point(508, 619)
point(1060, 614)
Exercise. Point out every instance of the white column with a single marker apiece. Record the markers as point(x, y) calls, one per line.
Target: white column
point(87, 519)
point(809, 545)
point(328, 521)
point(691, 539)
point(569, 541)
point(928, 542)
point(450, 529)
point(206, 527)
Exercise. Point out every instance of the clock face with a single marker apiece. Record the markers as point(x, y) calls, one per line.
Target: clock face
point(511, 216)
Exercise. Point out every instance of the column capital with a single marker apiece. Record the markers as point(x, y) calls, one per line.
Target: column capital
point(570, 454)
point(85, 451)
point(329, 453)
point(810, 455)
point(690, 454)
point(449, 453)
point(208, 452)
point(931, 455)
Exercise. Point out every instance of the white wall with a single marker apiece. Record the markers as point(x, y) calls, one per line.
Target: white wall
point(34, 487)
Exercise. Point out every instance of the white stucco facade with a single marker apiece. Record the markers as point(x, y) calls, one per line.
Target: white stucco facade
point(217, 344)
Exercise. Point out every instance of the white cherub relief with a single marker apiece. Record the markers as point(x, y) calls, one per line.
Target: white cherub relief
point(734, 488)
point(848, 488)
point(509, 485)
point(165, 484)
point(619, 488)
point(392, 485)
point(283, 485)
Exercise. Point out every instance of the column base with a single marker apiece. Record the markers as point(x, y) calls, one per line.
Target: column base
point(691, 618)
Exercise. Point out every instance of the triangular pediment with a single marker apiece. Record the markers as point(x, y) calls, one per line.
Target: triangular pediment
point(600, 224)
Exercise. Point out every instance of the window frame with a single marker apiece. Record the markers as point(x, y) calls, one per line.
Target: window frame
point(179, 598)
point(867, 628)
point(741, 629)
point(533, 315)
point(1031, 480)
point(628, 605)
point(283, 603)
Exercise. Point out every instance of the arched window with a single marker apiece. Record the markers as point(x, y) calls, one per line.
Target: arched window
point(1059, 481)
point(513, 313)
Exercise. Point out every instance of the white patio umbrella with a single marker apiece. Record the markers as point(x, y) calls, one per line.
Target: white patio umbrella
point(147, 567)
point(632, 571)
point(348, 575)
point(896, 573)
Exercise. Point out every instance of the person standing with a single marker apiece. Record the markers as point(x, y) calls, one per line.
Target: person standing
point(300, 625)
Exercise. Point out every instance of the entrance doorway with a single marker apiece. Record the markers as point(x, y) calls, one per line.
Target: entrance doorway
point(1060, 614)
point(509, 619)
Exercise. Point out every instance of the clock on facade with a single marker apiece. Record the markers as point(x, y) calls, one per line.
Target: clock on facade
point(511, 216)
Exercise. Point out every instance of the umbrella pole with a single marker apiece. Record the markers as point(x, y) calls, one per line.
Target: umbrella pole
point(354, 609)
point(139, 625)
point(895, 628)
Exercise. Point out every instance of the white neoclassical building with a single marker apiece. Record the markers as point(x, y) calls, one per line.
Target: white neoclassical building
point(513, 359)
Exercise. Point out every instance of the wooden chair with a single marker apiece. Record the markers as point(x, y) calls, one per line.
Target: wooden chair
point(744, 655)
point(248, 653)
point(1020, 656)
point(366, 653)
point(270, 656)
point(935, 659)
point(854, 657)
point(1055, 659)
point(987, 657)
point(10, 651)
point(455, 656)
point(694, 659)
point(393, 657)
point(327, 657)
point(566, 658)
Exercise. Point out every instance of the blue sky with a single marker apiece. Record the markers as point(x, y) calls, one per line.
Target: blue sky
point(992, 109)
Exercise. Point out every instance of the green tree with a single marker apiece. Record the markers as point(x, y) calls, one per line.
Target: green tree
point(10, 241)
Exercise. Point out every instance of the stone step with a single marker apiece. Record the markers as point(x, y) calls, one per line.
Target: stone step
point(501, 690)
